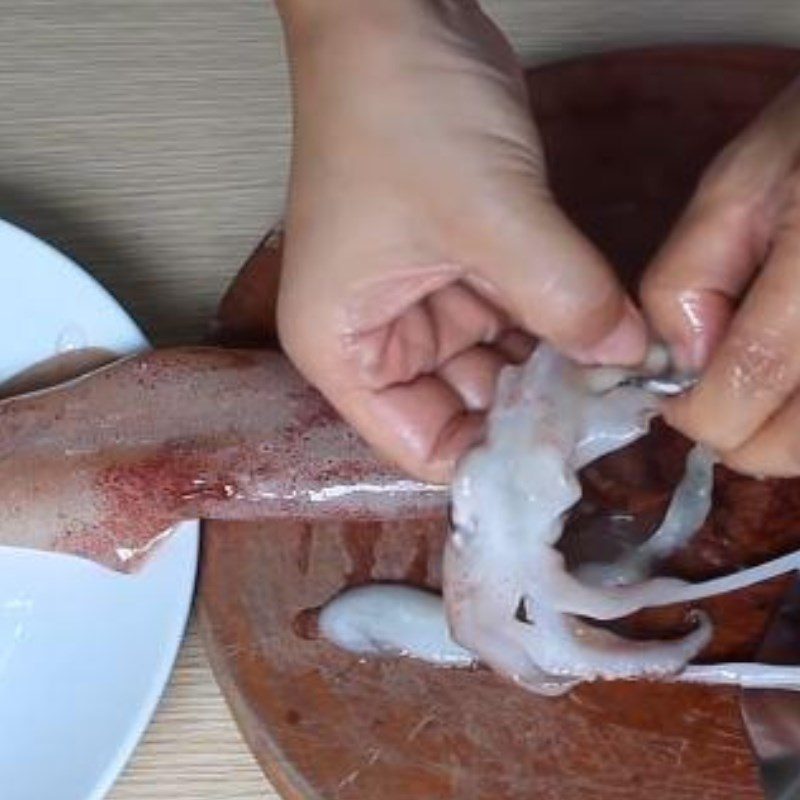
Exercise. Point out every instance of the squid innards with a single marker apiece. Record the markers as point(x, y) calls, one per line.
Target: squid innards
point(508, 600)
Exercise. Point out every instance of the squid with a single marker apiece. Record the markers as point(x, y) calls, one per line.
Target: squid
point(104, 465)
point(508, 599)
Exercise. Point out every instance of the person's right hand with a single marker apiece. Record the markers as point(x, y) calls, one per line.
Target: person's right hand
point(423, 246)
point(724, 293)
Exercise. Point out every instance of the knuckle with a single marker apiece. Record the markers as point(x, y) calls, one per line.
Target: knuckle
point(730, 194)
point(695, 420)
point(724, 210)
point(742, 461)
point(753, 460)
point(775, 453)
point(737, 170)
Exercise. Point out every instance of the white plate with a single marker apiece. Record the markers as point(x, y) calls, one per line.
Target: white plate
point(84, 652)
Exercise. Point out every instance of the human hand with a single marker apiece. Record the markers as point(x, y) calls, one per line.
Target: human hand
point(423, 246)
point(725, 292)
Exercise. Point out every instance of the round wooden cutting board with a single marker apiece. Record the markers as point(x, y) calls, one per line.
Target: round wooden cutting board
point(626, 137)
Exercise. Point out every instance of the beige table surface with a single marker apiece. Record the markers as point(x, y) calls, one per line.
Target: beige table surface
point(149, 139)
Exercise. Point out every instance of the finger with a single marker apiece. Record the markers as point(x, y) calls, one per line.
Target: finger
point(690, 289)
point(557, 285)
point(425, 335)
point(757, 366)
point(422, 426)
point(774, 451)
point(462, 318)
point(473, 375)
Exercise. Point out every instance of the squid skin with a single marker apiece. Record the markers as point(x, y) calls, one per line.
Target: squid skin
point(102, 466)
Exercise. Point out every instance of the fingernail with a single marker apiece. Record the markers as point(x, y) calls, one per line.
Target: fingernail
point(704, 317)
point(626, 344)
point(690, 356)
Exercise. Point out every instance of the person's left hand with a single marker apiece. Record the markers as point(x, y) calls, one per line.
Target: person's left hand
point(724, 292)
point(424, 248)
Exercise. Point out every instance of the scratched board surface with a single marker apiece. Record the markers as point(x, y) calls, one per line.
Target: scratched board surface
point(626, 137)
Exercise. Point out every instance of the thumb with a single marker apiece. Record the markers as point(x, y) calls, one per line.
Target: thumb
point(556, 284)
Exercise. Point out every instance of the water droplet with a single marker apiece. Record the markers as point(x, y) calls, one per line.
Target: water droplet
point(72, 337)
